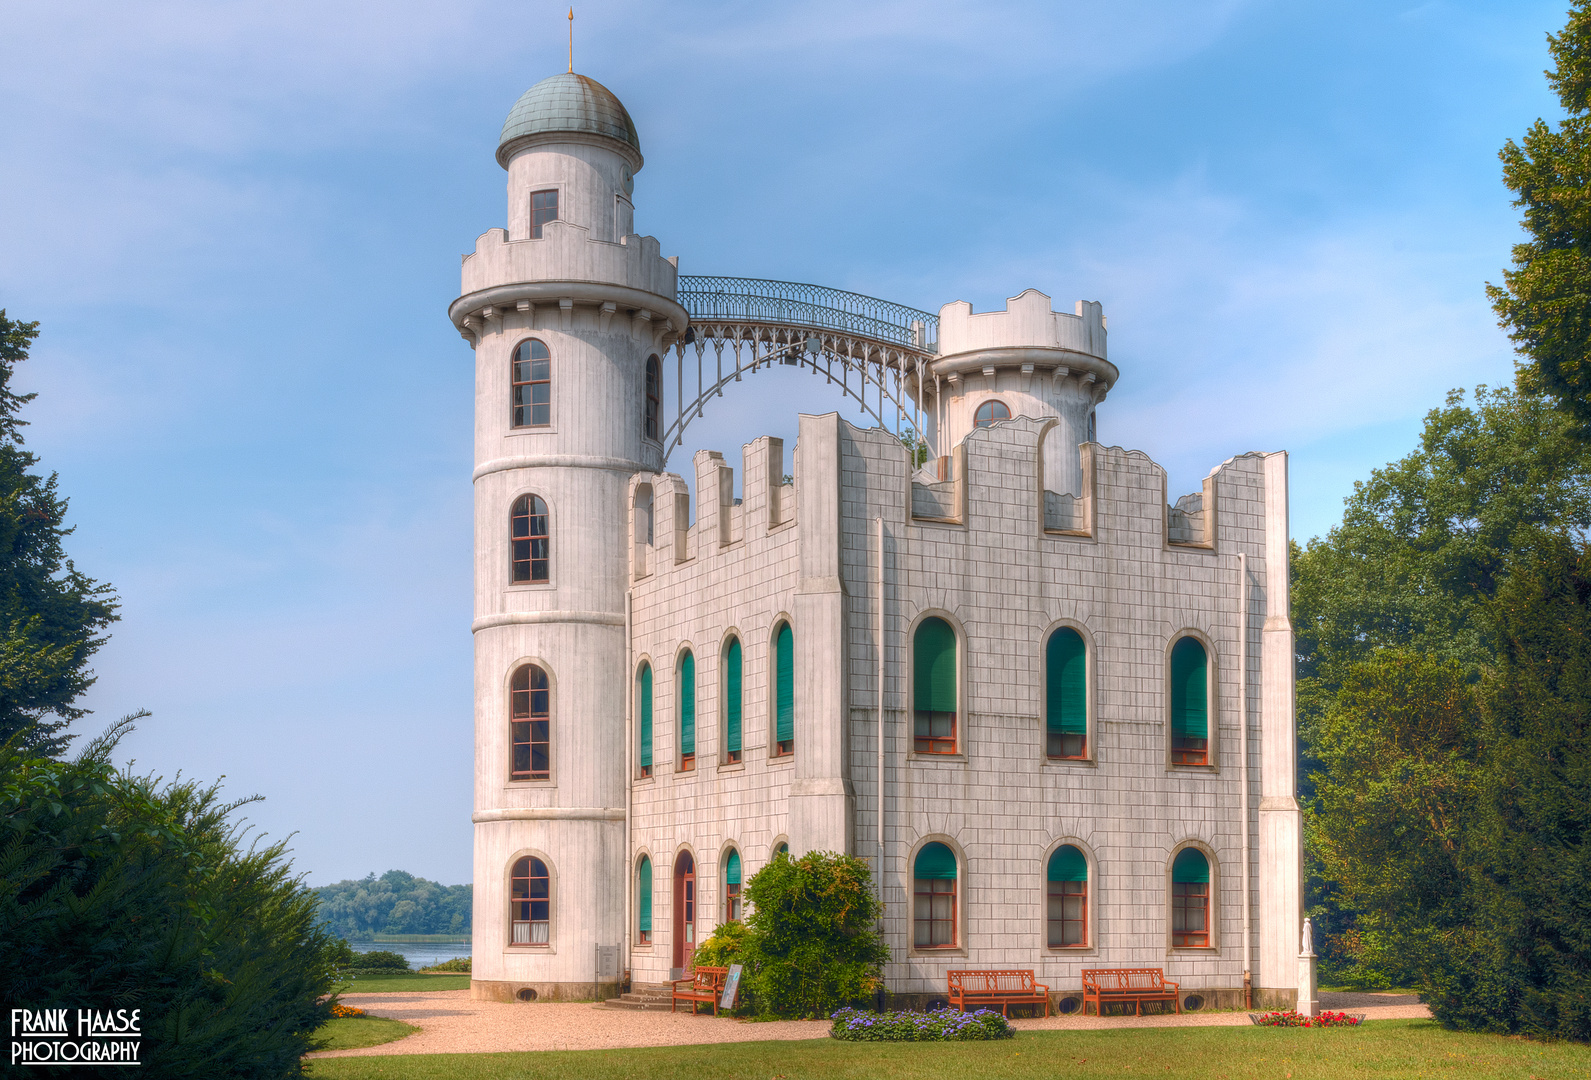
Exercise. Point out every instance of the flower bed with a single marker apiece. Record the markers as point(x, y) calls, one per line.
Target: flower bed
point(1289, 1018)
point(340, 1011)
point(860, 1025)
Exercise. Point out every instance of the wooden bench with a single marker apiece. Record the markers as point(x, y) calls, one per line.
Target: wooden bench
point(705, 984)
point(1101, 986)
point(1002, 988)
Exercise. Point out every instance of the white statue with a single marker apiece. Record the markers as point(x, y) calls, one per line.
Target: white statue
point(1309, 940)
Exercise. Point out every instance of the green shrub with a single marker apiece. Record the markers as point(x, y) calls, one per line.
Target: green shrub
point(380, 958)
point(811, 943)
point(118, 891)
point(458, 963)
point(945, 1025)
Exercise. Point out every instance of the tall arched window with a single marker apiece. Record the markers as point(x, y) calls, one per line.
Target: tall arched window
point(1066, 695)
point(529, 722)
point(732, 701)
point(990, 412)
point(643, 902)
point(654, 399)
point(1067, 886)
point(1190, 703)
point(1190, 900)
point(934, 687)
point(532, 386)
point(781, 848)
point(643, 717)
point(687, 712)
point(732, 886)
point(784, 691)
point(934, 898)
point(528, 533)
point(531, 904)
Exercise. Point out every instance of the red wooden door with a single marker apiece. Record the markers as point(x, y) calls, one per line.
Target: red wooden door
point(684, 909)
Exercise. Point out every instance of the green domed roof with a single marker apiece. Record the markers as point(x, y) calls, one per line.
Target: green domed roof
point(568, 102)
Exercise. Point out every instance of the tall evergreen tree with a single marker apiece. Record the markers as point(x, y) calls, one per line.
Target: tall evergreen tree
point(1545, 300)
point(52, 617)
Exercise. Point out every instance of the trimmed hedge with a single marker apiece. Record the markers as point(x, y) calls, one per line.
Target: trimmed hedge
point(945, 1025)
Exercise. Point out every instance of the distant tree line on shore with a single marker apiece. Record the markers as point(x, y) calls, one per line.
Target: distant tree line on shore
point(394, 903)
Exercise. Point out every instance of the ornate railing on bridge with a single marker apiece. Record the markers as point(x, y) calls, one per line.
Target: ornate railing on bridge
point(790, 303)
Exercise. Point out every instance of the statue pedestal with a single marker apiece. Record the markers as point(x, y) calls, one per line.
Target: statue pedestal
point(1308, 997)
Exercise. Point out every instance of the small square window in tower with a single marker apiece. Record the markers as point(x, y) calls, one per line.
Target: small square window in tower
point(543, 208)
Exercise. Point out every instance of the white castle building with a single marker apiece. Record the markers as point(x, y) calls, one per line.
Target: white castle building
point(1053, 712)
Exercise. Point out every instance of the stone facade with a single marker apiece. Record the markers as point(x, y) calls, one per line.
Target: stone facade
point(1026, 525)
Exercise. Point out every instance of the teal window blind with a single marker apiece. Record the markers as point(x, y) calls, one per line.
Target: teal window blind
point(643, 895)
point(1067, 864)
point(732, 869)
point(1190, 865)
point(1066, 661)
point(935, 862)
point(732, 723)
point(1190, 714)
point(687, 704)
point(645, 709)
point(934, 667)
point(784, 685)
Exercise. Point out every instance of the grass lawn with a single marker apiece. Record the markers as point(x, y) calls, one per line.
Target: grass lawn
point(407, 981)
point(1380, 1049)
point(352, 1032)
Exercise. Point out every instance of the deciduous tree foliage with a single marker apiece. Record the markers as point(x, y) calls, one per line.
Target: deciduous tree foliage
point(51, 615)
point(1545, 300)
point(394, 903)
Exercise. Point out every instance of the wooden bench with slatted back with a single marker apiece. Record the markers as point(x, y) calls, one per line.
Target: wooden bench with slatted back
point(705, 984)
point(1101, 986)
point(1002, 988)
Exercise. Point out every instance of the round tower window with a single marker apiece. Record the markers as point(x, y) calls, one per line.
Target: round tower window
point(990, 412)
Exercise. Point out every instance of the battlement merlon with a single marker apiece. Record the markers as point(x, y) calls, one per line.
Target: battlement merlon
point(628, 280)
point(1026, 335)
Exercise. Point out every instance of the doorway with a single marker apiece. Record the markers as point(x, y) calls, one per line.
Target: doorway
point(684, 912)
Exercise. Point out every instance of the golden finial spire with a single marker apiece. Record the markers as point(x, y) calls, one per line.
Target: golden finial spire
point(571, 41)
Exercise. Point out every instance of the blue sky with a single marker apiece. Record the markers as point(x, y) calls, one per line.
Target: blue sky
point(240, 225)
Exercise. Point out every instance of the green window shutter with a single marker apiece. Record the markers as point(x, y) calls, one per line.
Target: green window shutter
point(732, 869)
point(1066, 710)
point(784, 679)
point(1189, 690)
point(646, 716)
point(732, 690)
point(935, 861)
point(687, 704)
point(1068, 864)
point(644, 894)
point(934, 664)
point(1190, 865)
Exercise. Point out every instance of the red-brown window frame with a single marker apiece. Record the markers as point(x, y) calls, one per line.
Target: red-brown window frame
point(530, 541)
point(919, 893)
point(1059, 890)
point(731, 901)
point(978, 420)
point(537, 220)
point(1188, 897)
point(530, 724)
point(525, 900)
point(524, 378)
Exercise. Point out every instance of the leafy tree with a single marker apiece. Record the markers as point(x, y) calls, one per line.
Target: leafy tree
point(812, 942)
point(395, 903)
point(1545, 300)
point(118, 891)
point(51, 615)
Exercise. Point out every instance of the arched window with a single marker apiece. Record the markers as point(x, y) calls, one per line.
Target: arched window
point(934, 687)
point(990, 412)
point(531, 905)
point(781, 848)
point(1066, 695)
point(1190, 900)
point(654, 399)
point(643, 902)
point(732, 886)
point(643, 717)
point(532, 384)
point(1067, 886)
point(532, 546)
point(732, 695)
point(530, 721)
point(784, 691)
point(687, 713)
point(934, 896)
point(1190, 703)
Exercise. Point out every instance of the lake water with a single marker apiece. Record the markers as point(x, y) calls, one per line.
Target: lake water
point(418, 956)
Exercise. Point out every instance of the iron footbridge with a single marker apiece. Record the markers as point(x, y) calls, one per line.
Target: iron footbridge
point(875, 351)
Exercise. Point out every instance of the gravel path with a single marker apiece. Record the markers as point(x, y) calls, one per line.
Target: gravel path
point(451, 1022)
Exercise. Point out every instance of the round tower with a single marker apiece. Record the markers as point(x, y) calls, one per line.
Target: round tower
point(567, 311)
point(1025, 361)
